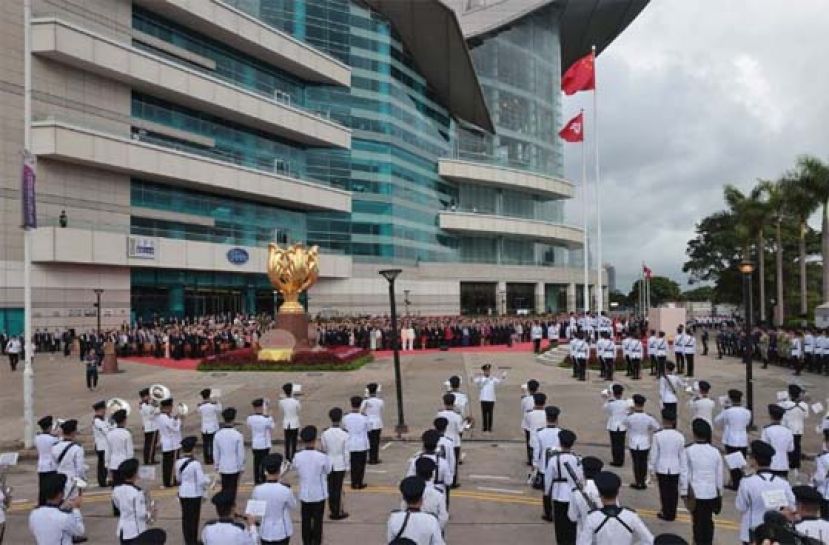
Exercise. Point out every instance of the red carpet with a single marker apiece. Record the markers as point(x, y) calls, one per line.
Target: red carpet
point(181, 365)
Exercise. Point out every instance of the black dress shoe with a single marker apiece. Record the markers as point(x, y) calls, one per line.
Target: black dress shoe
point(341, 516)
point(545, 517)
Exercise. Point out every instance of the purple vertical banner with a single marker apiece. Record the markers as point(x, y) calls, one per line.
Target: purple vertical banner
point(28, 198)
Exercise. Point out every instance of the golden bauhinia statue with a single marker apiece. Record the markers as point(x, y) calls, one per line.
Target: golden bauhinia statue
point(292, 270)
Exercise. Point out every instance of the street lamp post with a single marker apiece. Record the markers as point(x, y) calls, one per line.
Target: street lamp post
point(406, 301)
point(390, 275)
point(746, 268)
point(98, 293)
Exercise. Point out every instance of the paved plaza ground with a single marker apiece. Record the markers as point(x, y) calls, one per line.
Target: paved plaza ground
point(493, 506)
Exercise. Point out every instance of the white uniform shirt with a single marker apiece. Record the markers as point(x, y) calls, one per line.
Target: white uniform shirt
point(635, 349)
point(808, 343)
point(640, 426)
point(617, 411)
point(119, 447)
point(334, 443)
point(228, 532)
point(148, 415)
point(276, 524)
point(100, 428)
point(170, 430)
point(606, 348)
point(796, 347)
point(422, 528)
point(545, 439)
point(581, 349)
point(652, 345)
point(312, 468)
point(356, 425)
point(210, 413)
point(51, 526)
point(536, 332)
point(689, 346)
point(229, 451)
point(750, 501)
point(448, 451)
point(72, 464)
point(534, 421)
point(191, 478)
point(702, 407)
point(455, 426)
point(623, 527)
point(795, 416)
point(461, 403)
point(487, 385)
point(578, 509)
point(661, 347)
point(260, 427)
point(815, 528)
point(821, 345)
point(679, 343)
point(372, 407)
point(290, 408)
point(130, 501)
point(780, 437)
point(666, 452)
point(527, 405)
point(702, 471)
point(558, 484)
point(820, 479)
point(669, 386)
point(44, 443)
point(444, 474)
point(434, 503)
point(735, 421)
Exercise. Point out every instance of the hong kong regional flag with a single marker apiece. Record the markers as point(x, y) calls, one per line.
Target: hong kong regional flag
point(580, 76)
point(574, 130)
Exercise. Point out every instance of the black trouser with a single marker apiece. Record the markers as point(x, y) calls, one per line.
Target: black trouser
point(92, 377)
point(537, 346)
point(358, 467)
point(101, 472)
point(374, 446)
point(13, 359)
point(704, 348)
point(580, 369)
point(640, 466)
point(703, 521)
point(617, 447)
point(117, 480)
point(230, 482)
point(780, 473)
point(41, 480)
point(150, 439)
point(168, 460)
point(547, 503)
point(312, 515)
point(258, 471)
point(680, 362)
point(565, 528)
point(457, 463)
point(335, 493)
point(285, 541)
point(794, 456)
point(529, 448)
point(636, 368)
point(653, 365)
point(290, 442)
point(487, 408)
point(824, 509)
point(190, 513)
point(607, 368)
point(628, 366)
point(668, 494)
point(660, 365)
point(689, 365)
point(207, 447)
point(736, 474)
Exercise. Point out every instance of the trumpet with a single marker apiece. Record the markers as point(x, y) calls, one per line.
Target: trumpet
point(287, 465)
point(56, 425)
point(266, 406)
point(75, 485)
point(5, 488)
point(208, 490)
point(468, 424)
point(159, 392)
point(116, 404)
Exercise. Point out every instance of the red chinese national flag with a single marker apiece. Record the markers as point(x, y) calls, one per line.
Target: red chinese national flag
point(581, 76)
point(647, 271)
point(573, 131)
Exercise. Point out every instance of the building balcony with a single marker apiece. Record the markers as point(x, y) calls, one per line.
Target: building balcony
point(489, 174)
point(253, 37)
point(60, 141)
point(91, 245)
point(143, 71)
point(491, 225)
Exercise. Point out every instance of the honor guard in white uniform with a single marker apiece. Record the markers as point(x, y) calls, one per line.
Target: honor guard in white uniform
point(276, 526)
point(794, 418)
point(626, 354)
point(100, 428)
point(796, 352)
point(229, 453)
point(635, 354)
point(640, 426)
point(652, 340)
point(260, 426)
point(808, 348)
point(192, 485)
point(735, 421)
point(661, 353)
point(486, 393)
point(585, 498)
point(562, 474)
point(701, 482)
point(580, 353)
point(533, 421)
point(312, 468)
point(669, 387)
point(290, 407)
point(69, 457)
point(148, 413)
point(689, 350)
point(130, 502)
point(702, 406)
point(44, 442)
point(665, 462)
point(821, 476)
point(119, 445)
point(821, 350)
point(372, 407)
point(57, 522)
point(761, 492)
point(527, 405)
point(546, 442)
point(413, 524)
point(434, 501)
point(781, 439)
point(679, 349)
point(612, 524)
point(443, 472)
point(334, 443)
point(606, 352)
point(210, 411)
point(356, 424)
point(226, 530)
point(808, 513)
point(169, 427)
point(617, 409)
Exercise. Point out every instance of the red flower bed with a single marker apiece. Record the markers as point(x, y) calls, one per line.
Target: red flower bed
point(246, 360)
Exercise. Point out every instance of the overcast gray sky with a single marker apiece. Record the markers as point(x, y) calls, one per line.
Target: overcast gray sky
point(694, 95)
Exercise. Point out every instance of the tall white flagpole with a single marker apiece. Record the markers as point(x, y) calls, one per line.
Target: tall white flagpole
point(28, 372)
point(599, 266)
point(586, 287)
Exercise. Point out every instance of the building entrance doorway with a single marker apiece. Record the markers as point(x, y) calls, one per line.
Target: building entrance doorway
point(205, 302)
point(478, 298)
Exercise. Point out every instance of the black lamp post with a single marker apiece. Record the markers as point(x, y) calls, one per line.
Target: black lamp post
point(391, 275)
point(98, 293)
point(746, 268)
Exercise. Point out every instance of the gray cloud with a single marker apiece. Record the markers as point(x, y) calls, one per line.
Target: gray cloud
point(694, 95)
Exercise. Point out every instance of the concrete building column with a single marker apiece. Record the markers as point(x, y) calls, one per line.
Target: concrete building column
point(539, 298)
point(501, 297)
point(571, 297)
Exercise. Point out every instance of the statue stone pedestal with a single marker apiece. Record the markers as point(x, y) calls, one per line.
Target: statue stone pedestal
point(292, 334)
point(109, 364)
point(297, 325)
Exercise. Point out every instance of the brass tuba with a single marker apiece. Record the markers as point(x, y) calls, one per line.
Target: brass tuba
point(159, 392)
point(116, 404)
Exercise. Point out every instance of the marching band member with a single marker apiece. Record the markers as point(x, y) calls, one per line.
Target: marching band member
point(192, 484)
point(100, 428)
point(617, 410)
point(701, 405)
point(260, 427)
point(57, 522)
point(229, 453)
point(290, 407)
point(701, 482)
point(372, 407)
point(226, 530)
point(312, 467)
point(546, 442)
point(276, 527)
point(640, 426)
point(69, 457)
point(461, 399)
point(535, 420)
point(781, 439)
point(452, 434)
point(665, 461)
point(527, 405)
point(413, 525)
point(612, 524)
point(735, 421)
point(669, 386)
point(210, 412)
point(356, 424)
point(148, 412)
point(486, 384)
point(433, 501)
point(821, 476)
point(808, 511)
point(753, 489)
point(130, 502)
point(794, 418)
point(169, 427)
point(44, 441)
point(559, 483)
point(443, 473)
point(583, 500)
point(119, 446)
point(334, 443)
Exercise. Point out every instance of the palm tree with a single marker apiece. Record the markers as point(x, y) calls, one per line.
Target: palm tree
point(800, 204)
point(814, 174)
point(776, 209)
point(750, 211)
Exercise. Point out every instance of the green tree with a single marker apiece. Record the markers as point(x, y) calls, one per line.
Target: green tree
point(814, 175)
point(749, 212)
point(800, 204)
point(713, 256)
point(776, 207)
point(702, 293)
point(663, 290)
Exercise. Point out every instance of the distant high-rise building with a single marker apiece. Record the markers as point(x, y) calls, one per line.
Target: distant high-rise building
point(611, 276)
